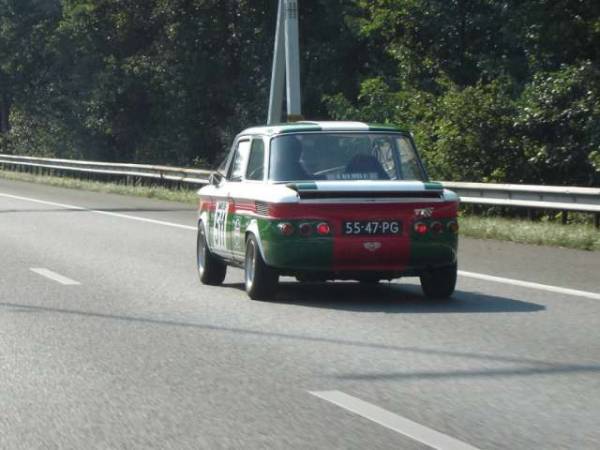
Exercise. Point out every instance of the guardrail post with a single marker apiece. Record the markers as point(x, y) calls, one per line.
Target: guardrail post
point(565, 217)
point(597, 220)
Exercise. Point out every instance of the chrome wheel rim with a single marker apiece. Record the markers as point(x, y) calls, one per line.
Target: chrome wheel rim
point(201, 253)
point(249, 266)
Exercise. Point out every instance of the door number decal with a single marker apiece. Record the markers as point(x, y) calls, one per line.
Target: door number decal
point(219, 225)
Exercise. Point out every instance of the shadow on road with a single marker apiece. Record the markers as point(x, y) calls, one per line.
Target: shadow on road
point(526, 366)
point(392, 298)
point(537, 369)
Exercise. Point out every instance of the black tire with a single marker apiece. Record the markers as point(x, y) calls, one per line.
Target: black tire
point(260, 280)
point(211, 270)
point(439, 283)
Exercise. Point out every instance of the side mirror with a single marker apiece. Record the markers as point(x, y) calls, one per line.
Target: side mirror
point(215, 179)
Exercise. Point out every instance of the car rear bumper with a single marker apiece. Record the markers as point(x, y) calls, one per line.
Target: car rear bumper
point(337, 252)
point(398, 255)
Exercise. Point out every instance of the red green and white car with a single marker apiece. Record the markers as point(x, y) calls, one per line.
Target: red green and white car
point(326, 200)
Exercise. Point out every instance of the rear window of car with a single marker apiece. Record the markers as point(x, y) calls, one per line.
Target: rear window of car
point(344, 156)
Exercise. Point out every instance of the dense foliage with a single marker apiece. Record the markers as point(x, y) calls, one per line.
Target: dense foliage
point(493, 90)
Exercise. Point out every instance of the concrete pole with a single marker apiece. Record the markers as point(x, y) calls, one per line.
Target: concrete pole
point(292, 61)
point(278, 72)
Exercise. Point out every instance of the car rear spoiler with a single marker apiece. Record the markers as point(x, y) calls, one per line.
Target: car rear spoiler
point(310, 191)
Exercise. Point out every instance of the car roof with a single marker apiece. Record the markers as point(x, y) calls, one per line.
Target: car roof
point(309, 126)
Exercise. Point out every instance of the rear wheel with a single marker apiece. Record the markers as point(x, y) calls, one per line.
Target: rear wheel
point(439, 283)
point(260, 279)
point(211, 270)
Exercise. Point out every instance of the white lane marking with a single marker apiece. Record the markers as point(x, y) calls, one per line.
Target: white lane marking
point(531, 285)
point(393, 421)
point(55, 276)
point(480, 276)
point(104, 213)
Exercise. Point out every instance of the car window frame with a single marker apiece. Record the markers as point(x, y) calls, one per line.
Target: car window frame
point(234, 151)
point(264, 162)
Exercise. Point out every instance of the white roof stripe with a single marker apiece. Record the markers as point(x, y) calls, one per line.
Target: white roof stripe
point(332, 126)
point(298, 127)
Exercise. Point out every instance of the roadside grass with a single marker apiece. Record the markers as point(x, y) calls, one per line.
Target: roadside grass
point(157, 192)
point(577, 236)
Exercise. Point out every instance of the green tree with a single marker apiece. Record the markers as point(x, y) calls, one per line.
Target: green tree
point(26, 27)
point(493, 90)
point(559, 125)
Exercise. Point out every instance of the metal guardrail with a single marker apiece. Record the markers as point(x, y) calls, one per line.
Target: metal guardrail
point(576, 199)
point(177, 174)
point(562, 198)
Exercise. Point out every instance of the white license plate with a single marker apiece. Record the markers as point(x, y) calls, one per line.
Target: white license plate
point(372, 227)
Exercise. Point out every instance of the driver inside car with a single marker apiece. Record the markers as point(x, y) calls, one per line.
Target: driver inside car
point(368, 167)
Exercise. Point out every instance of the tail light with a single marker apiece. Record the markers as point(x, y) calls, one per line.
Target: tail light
point(305, 229)
point(437, 227)
point(287, 229)
point(421, 228)
point(323, 228)
point(453, 227)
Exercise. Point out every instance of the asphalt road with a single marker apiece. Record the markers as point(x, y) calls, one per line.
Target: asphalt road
point(137, 354)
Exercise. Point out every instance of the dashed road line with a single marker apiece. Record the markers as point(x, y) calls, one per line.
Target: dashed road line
point(399, 424)
point(55, 276)
point(531, 285)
